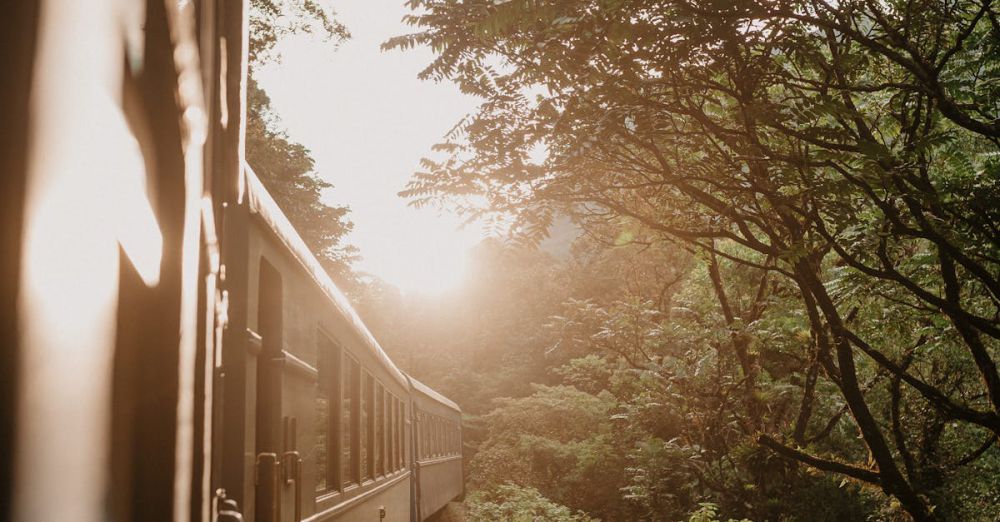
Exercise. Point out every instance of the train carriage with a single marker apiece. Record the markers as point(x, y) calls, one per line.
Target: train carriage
point(324, 409)
point(437, 439)
point(171, 349)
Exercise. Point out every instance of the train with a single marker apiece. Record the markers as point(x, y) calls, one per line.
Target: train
point(170, 348)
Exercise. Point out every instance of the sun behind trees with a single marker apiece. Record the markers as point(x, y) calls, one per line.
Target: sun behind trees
point(822, 180)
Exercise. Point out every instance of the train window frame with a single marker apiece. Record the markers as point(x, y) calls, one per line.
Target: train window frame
point(329, 360)
point(367, 427)
point(397, 441)
point(393, 446)
point(401, 419)
point(380, 425)
point(351, 425)
point(390, 427)
point(422, 435)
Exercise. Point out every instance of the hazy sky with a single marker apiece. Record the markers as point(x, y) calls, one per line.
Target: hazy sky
point(368, 121)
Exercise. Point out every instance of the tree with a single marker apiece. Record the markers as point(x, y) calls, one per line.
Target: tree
point(847, 149)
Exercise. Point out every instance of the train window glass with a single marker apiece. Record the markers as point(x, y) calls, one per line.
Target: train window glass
point(418, 435)
point(390, 420)
point(387, 433)
point(394, 443)
point(397, 422)
point(379, 429)
point(401, 417)
point(322, 417)
point(350, 423)
point(327, 407)
point(425, 446)
point(367, 427)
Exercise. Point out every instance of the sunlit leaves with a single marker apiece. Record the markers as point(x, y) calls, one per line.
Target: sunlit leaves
point(843, 152)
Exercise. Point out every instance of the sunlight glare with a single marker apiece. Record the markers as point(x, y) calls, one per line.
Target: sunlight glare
point(69, 278)
point(429, 260)
point(137, 229)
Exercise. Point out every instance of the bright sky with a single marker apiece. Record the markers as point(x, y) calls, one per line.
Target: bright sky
point(368, 121)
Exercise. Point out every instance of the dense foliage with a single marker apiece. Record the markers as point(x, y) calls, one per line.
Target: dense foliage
point(786, 302)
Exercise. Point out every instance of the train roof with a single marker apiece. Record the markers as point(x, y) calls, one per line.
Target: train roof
point(261, 203)
point(428, 391)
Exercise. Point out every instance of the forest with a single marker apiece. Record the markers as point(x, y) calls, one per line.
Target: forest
point(749, 266)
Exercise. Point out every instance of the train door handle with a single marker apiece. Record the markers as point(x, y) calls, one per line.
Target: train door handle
point(227, 509)
point(268, 471)
point(291, 465)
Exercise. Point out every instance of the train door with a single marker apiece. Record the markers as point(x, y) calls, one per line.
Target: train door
point(278, 477)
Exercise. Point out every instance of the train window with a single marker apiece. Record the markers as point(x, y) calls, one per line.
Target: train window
point(401, 418)
point(350, 422)
point(327, 412)
point(423, 436)
point(390, 420)
point(379, 429)
point(368, 428)
point(322, 417)
point(394, 443)
point(397, 441)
